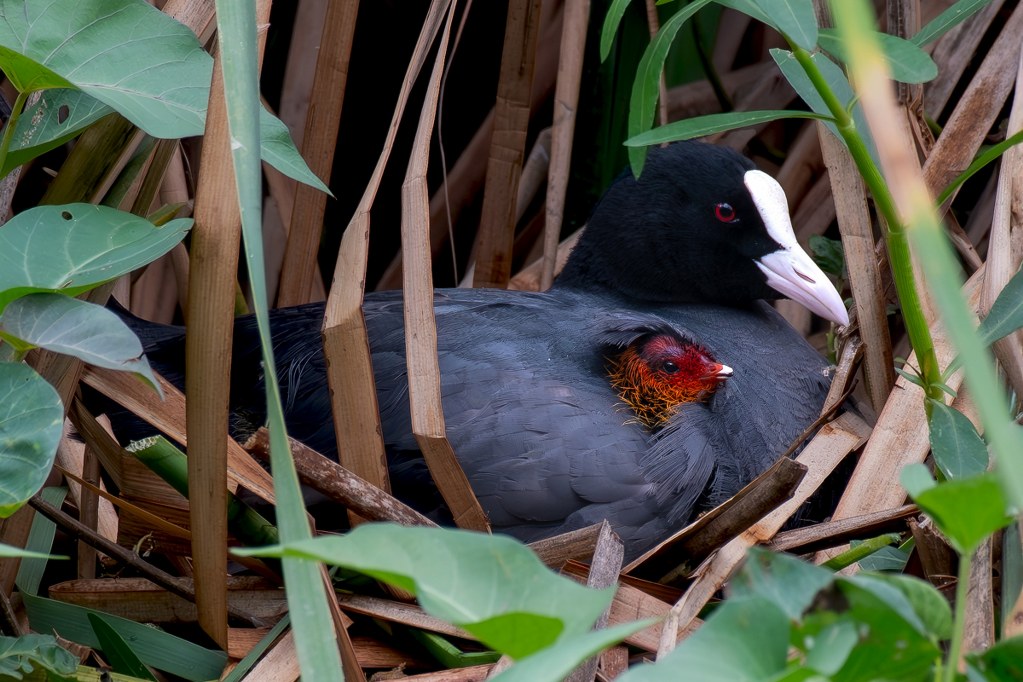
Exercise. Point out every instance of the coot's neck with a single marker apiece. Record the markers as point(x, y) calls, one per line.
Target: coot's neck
point(603, 262)
point(596, 278)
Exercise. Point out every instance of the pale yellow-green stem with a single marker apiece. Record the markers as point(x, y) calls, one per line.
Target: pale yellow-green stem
point(942, 273)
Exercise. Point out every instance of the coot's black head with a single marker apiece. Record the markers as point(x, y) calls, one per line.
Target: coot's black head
point(700, 225)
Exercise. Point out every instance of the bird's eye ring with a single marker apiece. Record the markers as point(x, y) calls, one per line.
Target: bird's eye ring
point(725, 213)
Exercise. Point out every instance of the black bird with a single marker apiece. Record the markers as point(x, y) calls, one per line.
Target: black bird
point(534, 408)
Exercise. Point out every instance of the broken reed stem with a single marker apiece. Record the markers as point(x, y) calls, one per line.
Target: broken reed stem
point(330, 478)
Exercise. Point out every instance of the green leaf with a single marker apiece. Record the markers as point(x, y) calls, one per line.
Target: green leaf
point(1002, 662)
point(9, 552)
point(40, 540)
point(125, 53)
point(156, 648)
point(828, 254)
point(744, 639)
point(117, 651)
point(895, 643)
point(73, 248)
point(610, 26)
point(910, 377)
point(314, 630)
point(556, 662)
point(239, 671)
point(31, 424)
point(85, 330)
point(61, 115)
point(124, 56)
point(989, 155)
point(947, 20)
point(490, 585)
point(837, 83)
point(278, 149)
point(1006, 314)
point(787, 582)
point(58, 116)
point(966, 510)
point(916, 478)
point(930, 606)
point(958, 449)
point(646, 86)
point(21, 655)
point(831, 646)
point(699, 126)
point(908, 63)
point(886, 559)
point(794, 19)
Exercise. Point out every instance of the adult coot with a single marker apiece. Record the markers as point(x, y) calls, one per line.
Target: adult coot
point(552, 433)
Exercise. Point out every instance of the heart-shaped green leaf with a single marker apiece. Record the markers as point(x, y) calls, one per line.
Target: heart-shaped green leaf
point(966, 510)
point(893, 641)
point(744, 639)
point(85, 330)
point(1001, 662)
point(31, 423)
point(120, 55)
point(71, 249)
point(125, 53)
point(490, 585)
point(58, 116)
point(61, 115)
point(554, 663)
point(787, 582)
point(1006, 314)
point(20, 656)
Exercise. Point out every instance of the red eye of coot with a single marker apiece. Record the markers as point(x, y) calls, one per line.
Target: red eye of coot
point(725, 213)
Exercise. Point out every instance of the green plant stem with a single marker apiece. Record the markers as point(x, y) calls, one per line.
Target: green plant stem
point(895, 234)
point(861, 551)
point(959, 623)
point(12, 123)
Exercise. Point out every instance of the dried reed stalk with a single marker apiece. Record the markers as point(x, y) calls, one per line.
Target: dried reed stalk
point(319, 142)
point(566, 101)
point(423, 373)
point(1002, 259)
point(507, 147)
point(466, 177)
point(345, 339)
